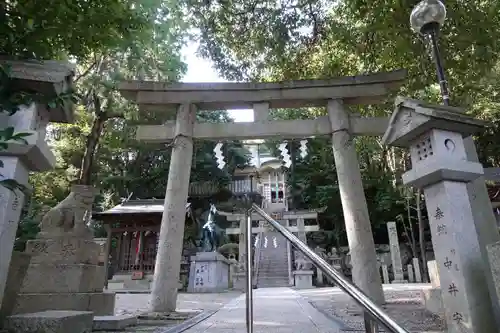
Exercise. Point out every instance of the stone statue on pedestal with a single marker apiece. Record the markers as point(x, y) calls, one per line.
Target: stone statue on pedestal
point(211, 233)
point(66, 258)
point(70, 215)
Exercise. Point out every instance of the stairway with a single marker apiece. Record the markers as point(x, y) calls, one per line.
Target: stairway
point(273, 263)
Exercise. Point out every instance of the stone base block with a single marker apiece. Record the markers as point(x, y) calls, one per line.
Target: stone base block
point(63, 278)
point(101, 304)
point(303, 279)
point(17, 271)
point(137, 284)
point(64, 250)
point(399, 281)
point(113, 323)
point(239, 281)
point(433, 301)
point(50, 322)
point(209, 273)
point(433, 273)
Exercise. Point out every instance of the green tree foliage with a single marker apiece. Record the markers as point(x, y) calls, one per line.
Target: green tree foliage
point(99, 148)
point(305, 39)
point(55, 29)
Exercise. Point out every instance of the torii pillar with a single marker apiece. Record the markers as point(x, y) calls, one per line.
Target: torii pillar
point(170, 244)
point(365, 273)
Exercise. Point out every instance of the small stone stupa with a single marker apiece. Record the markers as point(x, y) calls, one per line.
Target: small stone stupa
point(64, 273)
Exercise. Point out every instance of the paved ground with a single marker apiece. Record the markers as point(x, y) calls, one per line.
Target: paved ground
point(283, 310)
point(138, 303)
point(276, 310)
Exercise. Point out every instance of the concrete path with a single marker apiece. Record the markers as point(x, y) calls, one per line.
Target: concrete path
point(276, 310)
point(136, 304)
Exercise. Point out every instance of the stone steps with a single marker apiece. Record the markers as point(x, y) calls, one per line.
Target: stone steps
point(263, 282)
point(273, 270)
point(273, 262)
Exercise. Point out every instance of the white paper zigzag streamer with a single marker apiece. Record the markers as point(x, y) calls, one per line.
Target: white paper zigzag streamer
point(219, 156)
point(285, 154)
point(303, 148)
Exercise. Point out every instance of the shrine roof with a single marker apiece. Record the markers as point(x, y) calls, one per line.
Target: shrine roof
point(143, 206)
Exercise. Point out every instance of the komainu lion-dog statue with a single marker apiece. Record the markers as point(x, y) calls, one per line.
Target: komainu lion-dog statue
point(70, 215)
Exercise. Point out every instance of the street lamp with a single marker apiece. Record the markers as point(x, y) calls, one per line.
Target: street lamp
point(426, 19)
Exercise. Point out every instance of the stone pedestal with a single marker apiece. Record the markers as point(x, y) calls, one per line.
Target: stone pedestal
point(65, 257)
point(239, 281)
point(17, 271)
point(50, 322)
point(72, 278)
point(232, 269)
point(303, 279)
point(440, 167)
point(113, 323)
point(209, 273)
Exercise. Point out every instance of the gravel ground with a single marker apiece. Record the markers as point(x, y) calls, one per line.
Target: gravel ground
point(404, 305)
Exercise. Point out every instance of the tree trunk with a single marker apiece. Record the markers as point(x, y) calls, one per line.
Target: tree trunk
point(90, 149)
point(102, 114)
point(410, 235)
point(421, 237)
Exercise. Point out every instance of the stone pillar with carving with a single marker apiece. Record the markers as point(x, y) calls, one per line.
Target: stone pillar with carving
point(32, 153)
point(239, 267)
point(241, 243)
point(304, 270)
point(397, 265)
point(434, 135)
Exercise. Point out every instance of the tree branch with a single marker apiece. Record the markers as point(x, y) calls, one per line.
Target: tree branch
point(85, 72)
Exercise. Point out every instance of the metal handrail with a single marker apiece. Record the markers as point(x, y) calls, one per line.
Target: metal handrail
point(373, 310)
point(248, 272)
point(257, 254)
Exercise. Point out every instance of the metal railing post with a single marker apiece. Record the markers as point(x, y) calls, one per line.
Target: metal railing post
point(248, 262)
point(370, 324)
point(374, 313)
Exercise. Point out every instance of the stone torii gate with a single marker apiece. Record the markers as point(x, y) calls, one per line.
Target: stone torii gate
point(335, 94)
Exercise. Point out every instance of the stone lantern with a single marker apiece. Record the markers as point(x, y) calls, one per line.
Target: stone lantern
point(435, 137)
point(49, 79)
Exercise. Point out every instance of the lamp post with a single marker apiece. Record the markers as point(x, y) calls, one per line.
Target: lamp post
point(426, 19)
